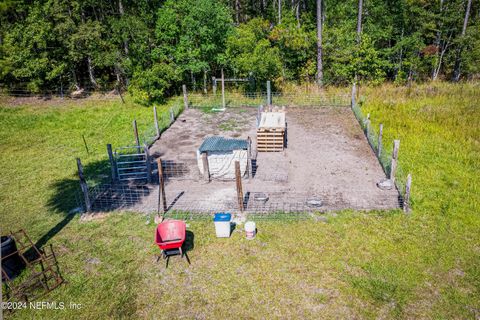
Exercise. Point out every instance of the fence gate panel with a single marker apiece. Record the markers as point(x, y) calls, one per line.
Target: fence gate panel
point(131, 163)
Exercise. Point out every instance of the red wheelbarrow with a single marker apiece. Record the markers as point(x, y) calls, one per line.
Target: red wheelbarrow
point(169, 237)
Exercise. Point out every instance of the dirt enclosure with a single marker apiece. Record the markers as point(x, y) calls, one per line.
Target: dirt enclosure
point(327, 165)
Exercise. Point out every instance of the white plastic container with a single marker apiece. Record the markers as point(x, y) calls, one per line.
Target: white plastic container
point(222, 224)
point(250, 229)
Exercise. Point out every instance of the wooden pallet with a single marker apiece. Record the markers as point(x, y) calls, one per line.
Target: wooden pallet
point(270, 140)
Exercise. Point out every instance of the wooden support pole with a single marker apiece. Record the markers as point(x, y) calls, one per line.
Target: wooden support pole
point(172, 116)
point(155, 119)
point(162, 199)
point(238, 179)
point(113, 165)
point(223, 90)
point(393, 167)
point(185, 97)
point(206, 168)
point(135, 132)
point(379, 147)
point(269, 93)
point(148, 163)
point(406, 198)
point(83, 185)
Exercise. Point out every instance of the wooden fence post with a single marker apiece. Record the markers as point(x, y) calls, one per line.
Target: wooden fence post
point(161, 187)
point(393, 167)
point(249, 158)
point(223, 91)
point(113, 166)
point(354, 93)
point(269, 93)
point(172, 116)
point(214, 86)
point(83, 185)
point(135, 132)
point(185, 97)
point(206, 168)
point(147, 163)
point(380, 134)
point(155, 119)
point(238, 179)
point(406, 198)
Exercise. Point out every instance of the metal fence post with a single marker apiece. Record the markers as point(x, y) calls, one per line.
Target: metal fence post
point(112, 162)
point(185, 97)
point(83, 185)
point(269, 94)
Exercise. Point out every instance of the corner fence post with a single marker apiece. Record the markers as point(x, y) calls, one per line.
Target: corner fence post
point(113, 165)
point(238, 180)
point(380, 134)
point(406, 198)
point(269, 93)
point(83, 185)
point(393, 167)
point(185, 97)
point(155, 119)
point(147, 163)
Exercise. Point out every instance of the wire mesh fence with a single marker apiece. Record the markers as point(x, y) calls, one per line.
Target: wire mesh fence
point(384, 156)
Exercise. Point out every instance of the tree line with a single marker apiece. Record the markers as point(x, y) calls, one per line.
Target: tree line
point(150, 47)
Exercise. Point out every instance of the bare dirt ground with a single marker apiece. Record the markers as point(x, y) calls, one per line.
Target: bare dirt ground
point(327, 158)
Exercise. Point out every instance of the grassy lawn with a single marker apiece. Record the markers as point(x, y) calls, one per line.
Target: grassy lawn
point(353, 265)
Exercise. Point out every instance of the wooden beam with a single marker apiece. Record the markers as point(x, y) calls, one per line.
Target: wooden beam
point(162, 199)
point(238, 179)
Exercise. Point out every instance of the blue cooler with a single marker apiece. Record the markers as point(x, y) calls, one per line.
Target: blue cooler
point(222, 224)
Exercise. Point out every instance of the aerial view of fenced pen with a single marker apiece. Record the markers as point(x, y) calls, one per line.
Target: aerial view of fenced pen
point(267, 159)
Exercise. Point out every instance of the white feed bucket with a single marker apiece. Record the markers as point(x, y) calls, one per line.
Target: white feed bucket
point(250, 229)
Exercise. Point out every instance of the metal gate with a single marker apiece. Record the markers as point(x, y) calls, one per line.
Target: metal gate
point(132, 163)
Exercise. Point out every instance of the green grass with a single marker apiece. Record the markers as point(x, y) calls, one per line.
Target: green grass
point(346, 265)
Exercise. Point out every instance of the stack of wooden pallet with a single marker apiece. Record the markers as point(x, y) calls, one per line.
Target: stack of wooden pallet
point(271, 132)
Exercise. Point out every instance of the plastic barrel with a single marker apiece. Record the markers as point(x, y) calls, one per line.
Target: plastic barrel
point(13, 264)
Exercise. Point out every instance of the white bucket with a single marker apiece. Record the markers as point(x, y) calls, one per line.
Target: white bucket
point(250, 229)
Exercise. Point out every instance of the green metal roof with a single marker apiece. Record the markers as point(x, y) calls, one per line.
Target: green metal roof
point(217, 143)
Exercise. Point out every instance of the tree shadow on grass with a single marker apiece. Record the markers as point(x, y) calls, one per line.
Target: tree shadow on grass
point(68, 199)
